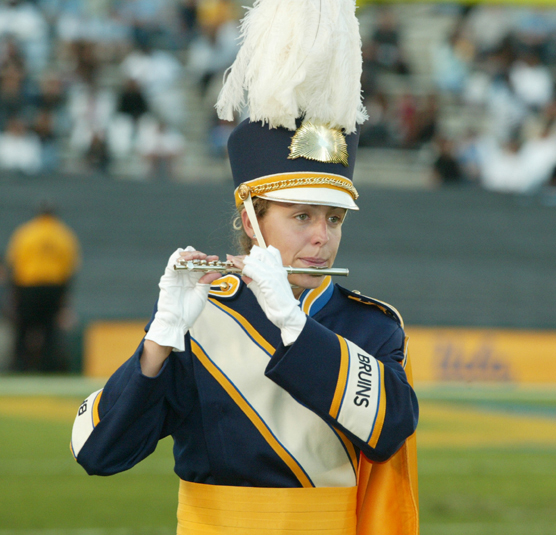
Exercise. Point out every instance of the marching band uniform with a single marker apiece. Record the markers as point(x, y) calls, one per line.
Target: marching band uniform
point(244, 410)
point(288, 416)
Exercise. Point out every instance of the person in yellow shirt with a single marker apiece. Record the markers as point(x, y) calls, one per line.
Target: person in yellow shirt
point(42, 257)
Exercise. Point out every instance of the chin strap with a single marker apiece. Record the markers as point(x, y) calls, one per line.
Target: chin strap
point(248, 203)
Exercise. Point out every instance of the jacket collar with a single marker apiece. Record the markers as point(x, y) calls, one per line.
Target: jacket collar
point(312, 301)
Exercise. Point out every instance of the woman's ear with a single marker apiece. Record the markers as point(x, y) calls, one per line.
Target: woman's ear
point(247, 227)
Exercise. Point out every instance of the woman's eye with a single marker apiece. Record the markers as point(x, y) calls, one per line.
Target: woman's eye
point(302, 217)
point(335, 219)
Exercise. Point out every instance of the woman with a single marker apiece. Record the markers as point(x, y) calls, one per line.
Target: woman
point(260, 391)
point(277, 390)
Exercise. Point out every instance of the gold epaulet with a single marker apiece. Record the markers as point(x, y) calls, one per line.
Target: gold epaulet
point(387, 309)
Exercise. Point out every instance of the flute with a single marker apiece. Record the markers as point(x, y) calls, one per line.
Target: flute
point(228, 267)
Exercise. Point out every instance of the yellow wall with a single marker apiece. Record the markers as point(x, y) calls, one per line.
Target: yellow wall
point(479, 355)
point(437, 354)
point(108, 344)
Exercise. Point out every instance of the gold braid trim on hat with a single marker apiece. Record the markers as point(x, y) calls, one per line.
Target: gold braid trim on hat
point(260, 189)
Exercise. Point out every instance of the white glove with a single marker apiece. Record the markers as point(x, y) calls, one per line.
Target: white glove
point(180, 302)
point(273, 292)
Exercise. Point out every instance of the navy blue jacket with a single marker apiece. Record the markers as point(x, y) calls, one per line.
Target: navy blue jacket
point(245, 410)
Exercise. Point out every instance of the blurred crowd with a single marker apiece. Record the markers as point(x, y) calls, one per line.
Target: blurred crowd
point(493, 69)
point(95, 86)
point(89, 84)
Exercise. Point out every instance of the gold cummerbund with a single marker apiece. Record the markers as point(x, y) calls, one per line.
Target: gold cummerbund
point(222, 510)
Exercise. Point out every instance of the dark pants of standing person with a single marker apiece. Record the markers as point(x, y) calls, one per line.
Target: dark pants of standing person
point(36, 347)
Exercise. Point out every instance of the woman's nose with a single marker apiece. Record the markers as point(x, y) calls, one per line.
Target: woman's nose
point(320, 232)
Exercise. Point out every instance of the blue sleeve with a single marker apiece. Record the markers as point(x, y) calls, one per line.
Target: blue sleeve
point(135, 412)
point(365, 395)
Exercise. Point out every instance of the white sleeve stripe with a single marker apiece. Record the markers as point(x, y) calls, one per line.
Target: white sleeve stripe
point(84, 423)
point(377, 405)
point(361, 400)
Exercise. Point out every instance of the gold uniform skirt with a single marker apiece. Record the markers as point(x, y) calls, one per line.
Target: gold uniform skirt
point(222, 510)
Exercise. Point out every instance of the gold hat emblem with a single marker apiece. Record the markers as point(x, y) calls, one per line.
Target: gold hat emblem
point(320, 143)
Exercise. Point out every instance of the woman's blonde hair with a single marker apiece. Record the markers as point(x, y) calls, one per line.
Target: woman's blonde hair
point(244, 242)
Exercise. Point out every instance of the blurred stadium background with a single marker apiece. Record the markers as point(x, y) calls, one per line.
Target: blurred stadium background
point(106, 110)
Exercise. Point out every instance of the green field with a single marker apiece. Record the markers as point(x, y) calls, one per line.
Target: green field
point(487, 465)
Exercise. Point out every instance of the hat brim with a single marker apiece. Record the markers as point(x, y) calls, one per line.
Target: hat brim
point(319, 196)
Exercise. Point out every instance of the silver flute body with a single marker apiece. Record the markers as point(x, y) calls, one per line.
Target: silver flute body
point(228, 267)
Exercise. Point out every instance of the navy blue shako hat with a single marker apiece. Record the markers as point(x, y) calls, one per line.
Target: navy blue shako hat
point(298, 73)
point(265, 164)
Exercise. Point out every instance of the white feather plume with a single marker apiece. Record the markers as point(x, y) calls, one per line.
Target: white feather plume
point(298, 58)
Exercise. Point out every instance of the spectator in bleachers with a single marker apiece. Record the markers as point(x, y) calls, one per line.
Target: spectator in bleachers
point(97, 158)
point(538, 155)
point(216, 46)
point(90, 108)
point(23, 21)
point(409, 123)
point(20, 149)
point(533, 32)
point(45, 130)
point(446, 168)
point(504, 167)
point(215, 13)
point(96, 22)
point(370, 74)
point(218, 137)
point(161, 146)
point(427, 120)
point(487, 26)
point(124, 126)
point(407, 126)
point(531, 81)
point(505, 109)
point(386, 40)
point(13, 75)
point(51, 95)
point(377, 130)
point(158, 74)
point(451, 63)
point(86, 61)
point(90, 105)
point(151, 21)
point(131, 101)
point(468, 154)
point(500, 165)
point(509, 77)
point(188, 19)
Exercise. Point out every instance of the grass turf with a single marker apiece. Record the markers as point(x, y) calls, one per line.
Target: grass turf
point(42, 487)
point(470, 483)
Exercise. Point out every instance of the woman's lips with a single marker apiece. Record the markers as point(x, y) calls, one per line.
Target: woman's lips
point(316, 262)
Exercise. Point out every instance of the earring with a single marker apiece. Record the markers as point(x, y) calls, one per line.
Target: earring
point(254, 237)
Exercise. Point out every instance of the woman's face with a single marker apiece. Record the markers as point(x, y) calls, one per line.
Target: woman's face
point(306, 235)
